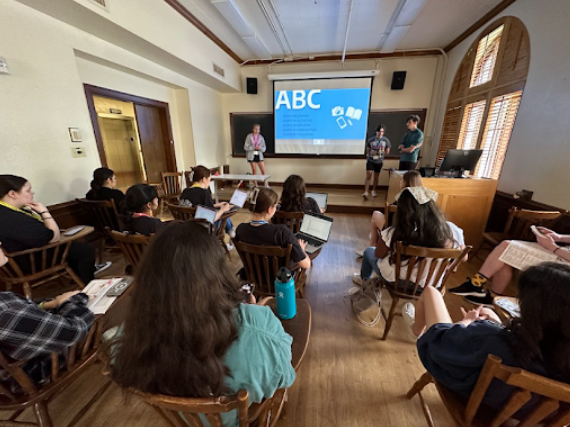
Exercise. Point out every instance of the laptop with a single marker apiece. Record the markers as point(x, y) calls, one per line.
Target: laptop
point(205, 213)
point(315, 230)
point(320, 198)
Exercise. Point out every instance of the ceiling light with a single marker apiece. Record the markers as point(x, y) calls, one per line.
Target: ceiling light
point(394, 39)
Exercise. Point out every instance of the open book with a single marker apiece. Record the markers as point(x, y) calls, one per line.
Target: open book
point(103, 293)
point(521, 255)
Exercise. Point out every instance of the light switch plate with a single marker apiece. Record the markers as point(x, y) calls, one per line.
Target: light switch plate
point(78, 152)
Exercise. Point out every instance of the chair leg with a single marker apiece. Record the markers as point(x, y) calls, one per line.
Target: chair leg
point(419, 385)
point(75, 277)
point(390, 319)
point(476, 251)
point(426, 411)
point(27, 290)
point(42, 415)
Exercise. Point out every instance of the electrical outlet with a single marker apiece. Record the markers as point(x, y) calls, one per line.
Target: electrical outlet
point(78, 152)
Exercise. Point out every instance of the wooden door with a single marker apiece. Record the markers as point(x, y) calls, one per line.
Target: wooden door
point(155, 142)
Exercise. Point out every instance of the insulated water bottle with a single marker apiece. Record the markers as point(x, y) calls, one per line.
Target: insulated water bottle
point(285, 294)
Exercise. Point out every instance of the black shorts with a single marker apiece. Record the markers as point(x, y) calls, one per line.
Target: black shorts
point(376, 167)
point(255, 159)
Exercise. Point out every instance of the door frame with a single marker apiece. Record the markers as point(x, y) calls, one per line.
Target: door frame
point(164, 112)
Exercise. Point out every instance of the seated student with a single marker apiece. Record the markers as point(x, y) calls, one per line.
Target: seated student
point(293, 197)
point(199, 194)
point(103, 187)
point(538, 341)
point(30, 331)
point(140, 202)
point(409, 179)
point(206, 341)
point(473, 288)
point(27, 224)
point(418, 222)
point(260, 231)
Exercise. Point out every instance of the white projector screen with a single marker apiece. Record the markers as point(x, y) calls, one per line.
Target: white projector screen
point(321, 116)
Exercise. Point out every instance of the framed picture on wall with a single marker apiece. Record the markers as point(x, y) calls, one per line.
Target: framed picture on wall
point(75, 134)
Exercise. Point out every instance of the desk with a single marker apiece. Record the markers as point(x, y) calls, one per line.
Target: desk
point(237, 177)
point(465, 202)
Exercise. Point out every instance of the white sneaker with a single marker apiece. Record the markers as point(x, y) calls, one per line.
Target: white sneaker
point(229, 246)
point(356, 279)
point(374, 193)
point(365, 195)
point(360, 253)
point(232, 233)
point(101, 267)
point(409, 316)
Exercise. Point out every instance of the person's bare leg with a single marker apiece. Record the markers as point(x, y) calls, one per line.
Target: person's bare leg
point(375, 184)
point(496, 269)
point(376, 224)
point(262, 167)
point(367, 181)
point(430, 309)
point(253, 168)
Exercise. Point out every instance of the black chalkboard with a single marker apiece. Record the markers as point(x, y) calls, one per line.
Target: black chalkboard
point(395, 122)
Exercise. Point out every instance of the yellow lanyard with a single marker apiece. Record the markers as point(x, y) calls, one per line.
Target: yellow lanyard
point(197, 185)
point(15, 209)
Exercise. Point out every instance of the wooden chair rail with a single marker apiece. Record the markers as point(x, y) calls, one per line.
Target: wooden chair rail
point(292, 220)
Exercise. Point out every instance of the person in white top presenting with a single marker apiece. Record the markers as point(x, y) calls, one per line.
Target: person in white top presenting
point(254, 149)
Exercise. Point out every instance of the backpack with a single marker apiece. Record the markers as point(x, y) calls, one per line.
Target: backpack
point(365, 298)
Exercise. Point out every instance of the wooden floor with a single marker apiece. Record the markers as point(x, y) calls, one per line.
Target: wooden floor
point(348, 378)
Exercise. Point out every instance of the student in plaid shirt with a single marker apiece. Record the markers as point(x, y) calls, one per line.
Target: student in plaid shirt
point(29, 331)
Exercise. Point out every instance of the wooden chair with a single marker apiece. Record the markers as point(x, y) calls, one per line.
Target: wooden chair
point(221, 231)
point(172, 188)
point(429, 273)
point(104, 214)
point(34, 267)
point(182, 213)
point(518, 226)
point(292, 220)
point(389, 209)
point(187, 178)
point(552, 408)
point(132, 246)
point(172, 409)
point(80, 357)
point(261, 264)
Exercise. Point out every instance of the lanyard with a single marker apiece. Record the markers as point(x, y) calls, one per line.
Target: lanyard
point(258, 222)
point(197, 185)
point(255, 140)
point(375, 147)
point(139, 215)
point(15, 209)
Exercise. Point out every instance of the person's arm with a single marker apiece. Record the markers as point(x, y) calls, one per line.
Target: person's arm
point(223, 208)
point(419, 143)
point(562, 238)
point(388, 146)
point(248, 144)
point(306, 262)
point(262, 144)
point(547, 242)
point(48, 220)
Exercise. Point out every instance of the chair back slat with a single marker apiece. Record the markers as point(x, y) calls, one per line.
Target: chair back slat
point(292, 220)
point(187, 178)
point(104, 213)
point(54, 366)
point(519, 222)
point(215, 420)
point(562, 418)
point(172, 182)
point(389, 209)
point(182, 213)
point(132, 246)
point(72, 357)
point(542, 410)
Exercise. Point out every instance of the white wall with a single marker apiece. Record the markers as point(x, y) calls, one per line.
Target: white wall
point(417, 93)
point(538, 153)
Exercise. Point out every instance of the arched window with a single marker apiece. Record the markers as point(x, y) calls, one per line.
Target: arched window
point(485, 95)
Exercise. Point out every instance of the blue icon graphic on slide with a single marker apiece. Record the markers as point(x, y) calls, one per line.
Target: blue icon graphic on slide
point(322, 113)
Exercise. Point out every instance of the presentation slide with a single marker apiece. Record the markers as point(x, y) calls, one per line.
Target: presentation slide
point(321, 116)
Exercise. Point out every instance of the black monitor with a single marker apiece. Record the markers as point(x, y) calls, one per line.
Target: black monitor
point(460, 161)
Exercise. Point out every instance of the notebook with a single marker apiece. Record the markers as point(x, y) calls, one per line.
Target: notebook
point(315, 230)
point(320, 198)
point(205, 213)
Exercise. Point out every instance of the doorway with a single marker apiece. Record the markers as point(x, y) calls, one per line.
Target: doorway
point(133, 134)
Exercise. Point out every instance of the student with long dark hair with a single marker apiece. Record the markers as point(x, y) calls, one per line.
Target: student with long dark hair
point(260, 231)
point(199, 194)
point(28, 224)
point(205, 341)
point(103, 187)
point(418, 222)
point(538, 341)
point(141, 201)
point(293, 197)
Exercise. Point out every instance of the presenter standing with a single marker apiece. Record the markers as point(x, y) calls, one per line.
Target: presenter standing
point(254, 149)
point(410, 145)
point(376, 148)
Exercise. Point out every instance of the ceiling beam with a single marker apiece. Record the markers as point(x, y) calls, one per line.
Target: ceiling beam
point(486, 18)
point(178, 7)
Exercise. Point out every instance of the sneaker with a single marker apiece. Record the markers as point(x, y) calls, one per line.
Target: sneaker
point(356, 279)
point(409, 316)
point(360, 253)
point(229, 246)
point(374, 193)
point(365, 195)
point(468, 288)
point(101, 267)
point(232, 233)
point(485, 300)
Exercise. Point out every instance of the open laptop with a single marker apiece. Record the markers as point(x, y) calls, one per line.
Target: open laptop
point(238, 199)
point(315, 230)
point(205, 213)
point(320, 198)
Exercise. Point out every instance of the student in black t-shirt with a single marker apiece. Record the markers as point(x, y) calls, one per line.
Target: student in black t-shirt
point(260, 231)
point(103, 187)
point(199, 194)
point(27, 224)
point(293, 197)
point(140, 202)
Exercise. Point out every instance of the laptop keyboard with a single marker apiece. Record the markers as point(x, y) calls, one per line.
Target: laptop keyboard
point(308, 239)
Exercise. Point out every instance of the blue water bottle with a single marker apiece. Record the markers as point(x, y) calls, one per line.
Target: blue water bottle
point(285, 294)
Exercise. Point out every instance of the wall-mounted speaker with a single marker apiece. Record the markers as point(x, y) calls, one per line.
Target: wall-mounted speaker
point(398, 80)
point(251, 85)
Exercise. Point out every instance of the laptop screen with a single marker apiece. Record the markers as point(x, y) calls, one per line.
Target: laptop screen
point(205, 213)
point(317, 226)
point(238, 198)
point(320, 198)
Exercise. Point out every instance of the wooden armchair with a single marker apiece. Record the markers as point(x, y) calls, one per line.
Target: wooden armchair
point(34, 267)
point(292, 220)
point(552, 408)
point(433, 268)
point(171, 189)
point(261, 264)
point(182, 213)
point(518, 226)
point(80, 357)
point(132, 246)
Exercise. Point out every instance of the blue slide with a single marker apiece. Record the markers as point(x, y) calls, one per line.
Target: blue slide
point(325, 114)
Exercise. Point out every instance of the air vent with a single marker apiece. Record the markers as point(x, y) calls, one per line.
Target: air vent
point(102, 3)
point(219, 70)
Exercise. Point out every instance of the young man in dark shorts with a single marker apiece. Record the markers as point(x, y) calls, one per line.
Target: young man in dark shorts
point(376, 148)
point(410, 145)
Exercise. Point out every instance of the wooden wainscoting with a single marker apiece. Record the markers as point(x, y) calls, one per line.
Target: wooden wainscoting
point(70, 214)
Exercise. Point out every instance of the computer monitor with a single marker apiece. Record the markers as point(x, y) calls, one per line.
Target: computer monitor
point(460, 160)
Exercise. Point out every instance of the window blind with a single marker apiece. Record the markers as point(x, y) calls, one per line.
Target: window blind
point(449, 131)
point(486, 57)
point(471, 125)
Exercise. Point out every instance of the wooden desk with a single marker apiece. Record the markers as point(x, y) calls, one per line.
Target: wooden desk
point(465, 202)
point(236, 177)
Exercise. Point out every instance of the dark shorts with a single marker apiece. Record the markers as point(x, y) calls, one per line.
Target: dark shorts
point(255, 159)
point(371, 166)
point(408, 166)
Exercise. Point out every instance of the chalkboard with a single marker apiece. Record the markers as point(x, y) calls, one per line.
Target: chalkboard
point(394, 121)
